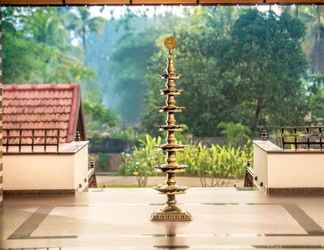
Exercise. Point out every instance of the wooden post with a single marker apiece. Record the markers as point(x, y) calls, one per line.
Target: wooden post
point(33, 140)
point(308, 135)
point(320, 133)
point(7, 140)
point(295, 138)
point(283, 138)
point(45, 139)
point(20, 139)
point(58, 140)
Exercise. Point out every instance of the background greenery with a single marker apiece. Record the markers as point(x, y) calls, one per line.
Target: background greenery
point(241, 67)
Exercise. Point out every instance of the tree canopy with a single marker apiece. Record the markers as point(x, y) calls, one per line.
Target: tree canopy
point(250, 71)
point(38, 47)
point(246, 66)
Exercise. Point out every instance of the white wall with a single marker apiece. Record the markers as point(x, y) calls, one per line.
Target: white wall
point(260, 163)
point(287, 169)
point(81, 168)
point(296, 170)
point(45, 171)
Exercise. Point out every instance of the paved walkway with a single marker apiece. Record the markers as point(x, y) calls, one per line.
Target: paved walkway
point(114, 219)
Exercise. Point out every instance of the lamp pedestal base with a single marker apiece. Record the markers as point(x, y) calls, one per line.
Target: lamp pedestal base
point(171, 215)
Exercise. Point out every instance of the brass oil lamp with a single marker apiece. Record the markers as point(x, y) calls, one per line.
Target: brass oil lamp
point(171, 212)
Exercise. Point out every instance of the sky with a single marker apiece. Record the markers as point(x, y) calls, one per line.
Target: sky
point(117, 11)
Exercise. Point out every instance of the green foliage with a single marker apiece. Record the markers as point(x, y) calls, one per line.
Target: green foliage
point(198, 38)
point(80, 21)
point(316, 98)
point(37, 48)
point(242, 72)
point(127, 134)
point(98, 117)
point(239, 65)
point(313, 44)
point(142, 161)
point(129, 80)
point(129, 61)
point(269, 65)
point(215, 161)
point(206, 162)
point(236, 134)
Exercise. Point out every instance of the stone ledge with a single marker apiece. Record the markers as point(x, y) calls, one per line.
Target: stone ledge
point(295, 191)
point(38, 192)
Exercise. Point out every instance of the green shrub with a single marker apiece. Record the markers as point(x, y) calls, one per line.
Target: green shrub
point(236, 134)
point(142, 161)
point(128, 134)
point(209, 163)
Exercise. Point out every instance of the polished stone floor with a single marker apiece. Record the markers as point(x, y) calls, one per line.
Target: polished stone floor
point(114, 219)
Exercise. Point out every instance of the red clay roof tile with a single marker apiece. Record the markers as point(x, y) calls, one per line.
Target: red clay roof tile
point(42, 106)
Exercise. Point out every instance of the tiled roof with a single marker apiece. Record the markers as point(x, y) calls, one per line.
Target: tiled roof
point(42, 106)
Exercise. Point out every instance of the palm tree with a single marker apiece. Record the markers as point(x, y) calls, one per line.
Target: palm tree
point(47, 26)
point(81, 23)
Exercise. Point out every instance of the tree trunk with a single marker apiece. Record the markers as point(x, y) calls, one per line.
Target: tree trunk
point(139, 182)
point(145, 181)
point(297, 11)
point(201, 180)
point(257, 114)
point(212, 181)
point(84, 42)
